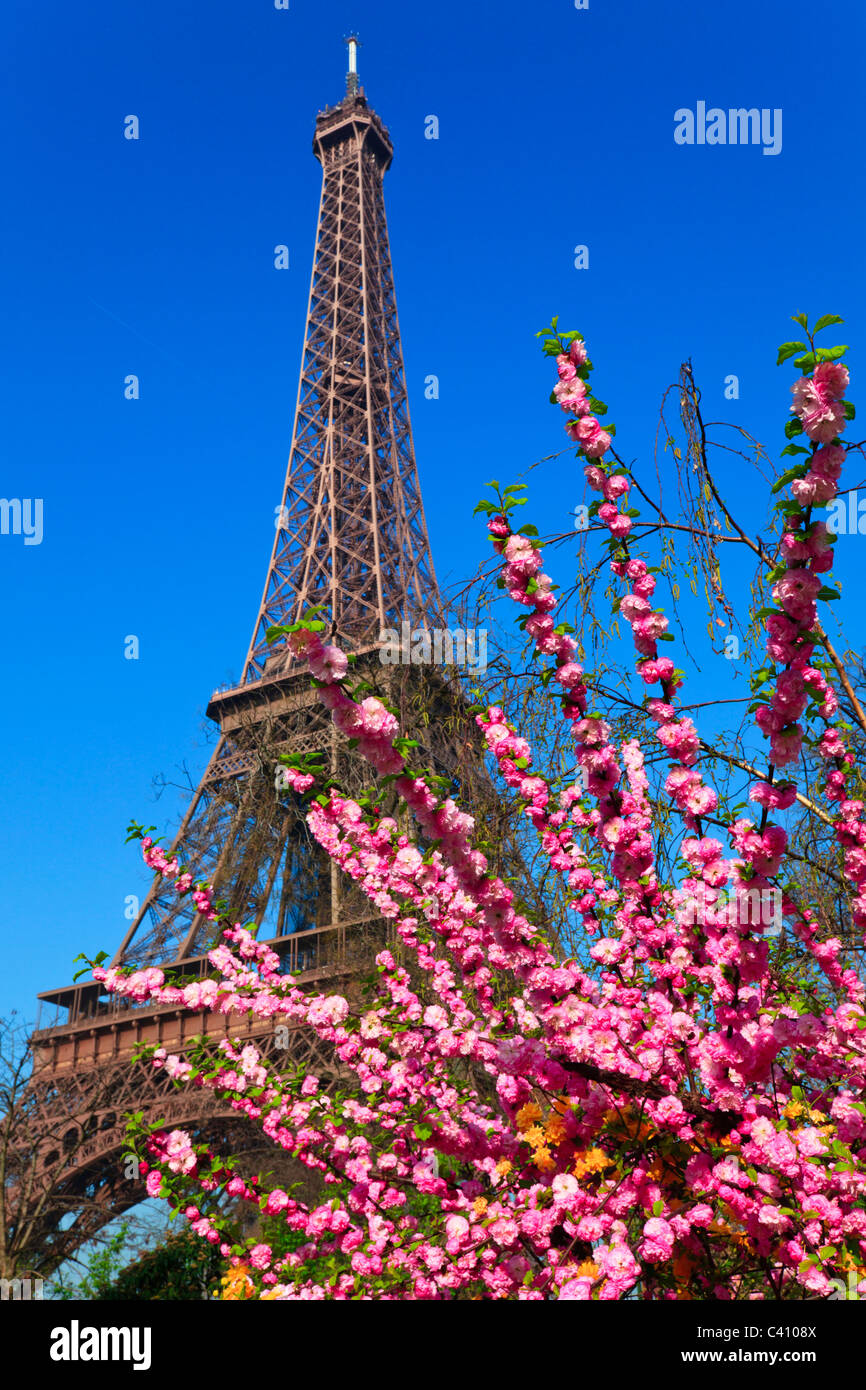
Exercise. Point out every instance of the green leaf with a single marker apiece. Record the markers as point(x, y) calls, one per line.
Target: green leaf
point(802, 319)
point(828, 594)
point(787, 350)
point(806, 362)
point(793, 428)
point(797, 471)
point(825, 320)
point(794, 449)
point(832, 354)
point(138, 832)
point(850, 412)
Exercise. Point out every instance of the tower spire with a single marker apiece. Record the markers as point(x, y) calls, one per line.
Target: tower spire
point(352, 84)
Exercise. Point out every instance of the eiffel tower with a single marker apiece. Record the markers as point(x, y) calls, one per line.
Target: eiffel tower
point(351, 538)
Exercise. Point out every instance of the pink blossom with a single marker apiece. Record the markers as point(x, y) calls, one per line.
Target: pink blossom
point(329, 664)
point(818, 401)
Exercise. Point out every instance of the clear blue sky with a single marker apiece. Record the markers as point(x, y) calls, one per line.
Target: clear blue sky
point(155, 257)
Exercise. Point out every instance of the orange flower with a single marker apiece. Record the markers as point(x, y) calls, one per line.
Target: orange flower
point(591, 1161)
point(555, 1129)
point(527, 1115)
point(237, 1284)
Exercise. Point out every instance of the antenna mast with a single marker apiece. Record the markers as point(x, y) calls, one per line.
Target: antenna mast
point(352, 84)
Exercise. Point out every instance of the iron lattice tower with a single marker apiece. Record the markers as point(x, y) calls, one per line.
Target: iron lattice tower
point(355, 539)
point(351, 537)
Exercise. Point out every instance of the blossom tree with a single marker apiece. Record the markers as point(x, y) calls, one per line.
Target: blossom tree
point(671, 1112)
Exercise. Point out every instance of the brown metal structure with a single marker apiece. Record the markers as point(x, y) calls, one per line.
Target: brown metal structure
point(351, 537)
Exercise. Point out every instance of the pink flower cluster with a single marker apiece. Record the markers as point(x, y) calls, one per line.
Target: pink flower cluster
point(291, 778)
point(680, 1037)
point(370, 722)
point(819, 401)
point(806, 555)
point(571, 396)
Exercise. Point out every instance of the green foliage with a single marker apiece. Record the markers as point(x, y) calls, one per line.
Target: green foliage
point(103, 1266)
point(181, 1268)
point(825, 321)
point(788, 350)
